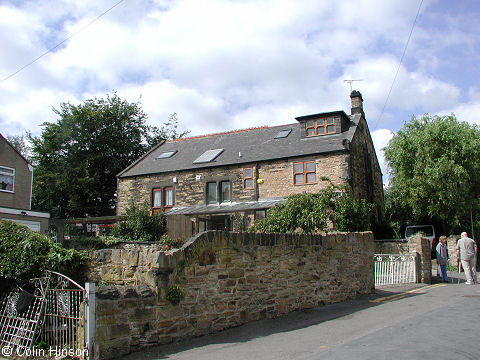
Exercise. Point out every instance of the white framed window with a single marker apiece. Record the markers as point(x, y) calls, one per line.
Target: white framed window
point(7, 179)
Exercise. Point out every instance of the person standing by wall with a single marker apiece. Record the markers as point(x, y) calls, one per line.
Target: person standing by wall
point(442, 258)
point(467, 249)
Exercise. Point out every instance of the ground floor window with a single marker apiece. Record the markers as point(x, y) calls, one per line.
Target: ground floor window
point(215, 222)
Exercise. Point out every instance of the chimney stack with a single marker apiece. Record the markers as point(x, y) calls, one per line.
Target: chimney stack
point(357, 102)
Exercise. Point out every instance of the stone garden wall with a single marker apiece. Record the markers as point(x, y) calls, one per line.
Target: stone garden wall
point(228, 279)
point(393, 246)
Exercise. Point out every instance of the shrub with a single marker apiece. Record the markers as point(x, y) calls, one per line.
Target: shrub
point(25, 254)
point(308, 213)
point(305, 213)
point(350, 214)
point(139, 225)
point(170, 243)
point(175, 294)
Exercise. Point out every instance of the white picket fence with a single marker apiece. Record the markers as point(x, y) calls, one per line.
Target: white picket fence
point(392, 269)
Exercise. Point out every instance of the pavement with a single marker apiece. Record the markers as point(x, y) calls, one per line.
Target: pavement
point(413, 321)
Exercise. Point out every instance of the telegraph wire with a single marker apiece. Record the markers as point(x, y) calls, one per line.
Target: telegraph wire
point(400, 64)
point(61, 42)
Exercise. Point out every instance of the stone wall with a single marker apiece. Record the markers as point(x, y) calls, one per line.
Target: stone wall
point(422, 247)
point(391, 246)
point(366, 175)
point(228, 279)
point(277, 176)
point(452, 250)
point(189, 190)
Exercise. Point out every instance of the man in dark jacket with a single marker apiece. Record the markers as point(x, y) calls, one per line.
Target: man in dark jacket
point(442, 258)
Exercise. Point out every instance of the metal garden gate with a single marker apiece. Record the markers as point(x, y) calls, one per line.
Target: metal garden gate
point(54, 314)
point(391, 269)
point(64, 310)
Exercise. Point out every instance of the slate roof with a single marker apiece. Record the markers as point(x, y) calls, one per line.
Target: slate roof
point(254, 145)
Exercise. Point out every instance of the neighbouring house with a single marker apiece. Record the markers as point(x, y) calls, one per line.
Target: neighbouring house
point(16, 179)
point(226, 180)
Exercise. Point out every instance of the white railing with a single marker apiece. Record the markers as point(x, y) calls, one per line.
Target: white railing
point(391, 269)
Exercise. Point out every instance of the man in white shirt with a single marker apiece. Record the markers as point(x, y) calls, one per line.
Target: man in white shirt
point(467, 254)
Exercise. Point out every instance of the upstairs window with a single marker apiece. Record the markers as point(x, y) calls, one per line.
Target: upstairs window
point(225, 194)
point(218, 192)
point(168, 197)
point(304, 173)
point(157, 199)
point(7, 179)
point(211, 193)
point(248, 178)
point(162, 199)
point(320, 126)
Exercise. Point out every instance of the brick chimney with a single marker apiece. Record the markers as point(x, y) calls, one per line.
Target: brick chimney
point(357, 102)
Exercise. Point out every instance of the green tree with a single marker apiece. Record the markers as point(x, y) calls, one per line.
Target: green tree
point(78, 157)
point(434, 171)
point(20, 143)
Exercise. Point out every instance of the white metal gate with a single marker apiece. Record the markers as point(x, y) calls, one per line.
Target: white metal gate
point(391, 269)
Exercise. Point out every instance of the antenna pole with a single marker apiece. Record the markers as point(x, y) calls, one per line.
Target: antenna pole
point(350, 81)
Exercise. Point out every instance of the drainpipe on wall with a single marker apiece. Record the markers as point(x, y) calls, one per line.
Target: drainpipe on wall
point(30, 167)
point(255, 182)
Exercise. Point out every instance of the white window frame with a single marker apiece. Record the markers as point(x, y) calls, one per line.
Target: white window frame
point(3, 173)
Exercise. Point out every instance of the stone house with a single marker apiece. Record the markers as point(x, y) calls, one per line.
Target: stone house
point(224, 181)
point(16, 179)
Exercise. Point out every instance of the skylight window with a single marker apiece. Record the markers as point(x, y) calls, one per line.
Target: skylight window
point(208, 156)
point(166, 154)
point(283, 134)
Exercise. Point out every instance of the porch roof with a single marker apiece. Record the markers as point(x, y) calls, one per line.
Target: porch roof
point(225, 207)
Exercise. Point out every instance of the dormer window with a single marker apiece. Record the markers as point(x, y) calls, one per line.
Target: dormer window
point(321, 126)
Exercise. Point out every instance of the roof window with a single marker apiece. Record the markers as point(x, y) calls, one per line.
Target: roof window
point(208, 156)
point(166, 154)
point(283, 134)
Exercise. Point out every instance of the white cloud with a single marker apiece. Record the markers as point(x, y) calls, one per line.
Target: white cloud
point(468, 111)
point(223, 65)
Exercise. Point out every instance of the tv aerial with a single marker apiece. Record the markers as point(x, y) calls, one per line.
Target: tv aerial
point(350, 81)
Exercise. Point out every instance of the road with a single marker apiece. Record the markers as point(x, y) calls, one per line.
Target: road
point(440, 321)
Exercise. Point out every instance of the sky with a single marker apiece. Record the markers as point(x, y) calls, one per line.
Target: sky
point(234, 64)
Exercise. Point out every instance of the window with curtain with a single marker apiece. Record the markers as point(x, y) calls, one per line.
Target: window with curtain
point(211, 195)
point(7, 178)
point(225, 191)
point(168, 197)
